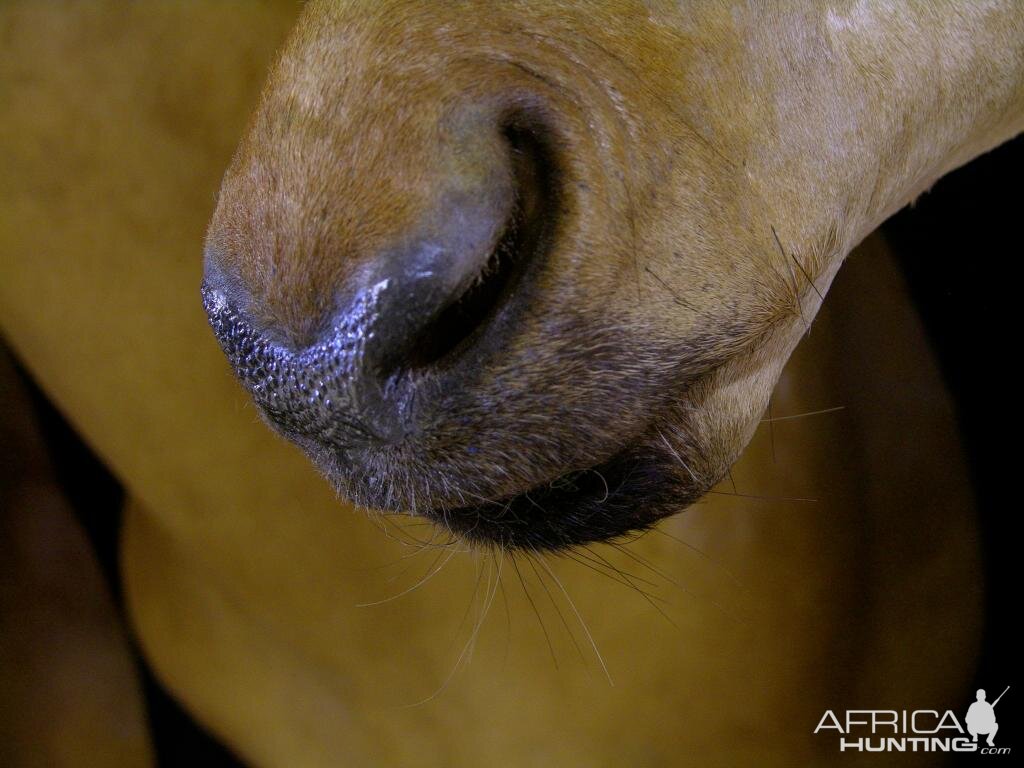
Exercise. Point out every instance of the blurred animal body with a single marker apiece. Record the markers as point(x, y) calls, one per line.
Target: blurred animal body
point(533, 271)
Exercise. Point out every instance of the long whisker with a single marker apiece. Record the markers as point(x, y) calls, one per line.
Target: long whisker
point(647, 597)
point(675, 296)
point(533, 605)
point(596, 557)
point(641, 560)
point(404, 537)
point(577, 557)
point(805, 415)
point(647, 564)
point(732, 480)
point(807, 276)
point(508, 613)
point(792, 274)
point(701, 553)
point(531, 559)
point(462, 654)
point(583, 624)
point(678, 457)
point(489, 594)
point(763, 498)
point(430, 574)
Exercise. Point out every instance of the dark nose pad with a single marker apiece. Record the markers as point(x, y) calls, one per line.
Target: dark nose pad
point(326, 393)
point(348, 389)
point(398, 311)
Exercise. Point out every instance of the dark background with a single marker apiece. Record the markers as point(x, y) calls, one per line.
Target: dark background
point(958, 247)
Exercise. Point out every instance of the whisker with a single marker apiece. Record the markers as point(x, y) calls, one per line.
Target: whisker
point(796, 286)
point(603, 499)
point(533, 605)
point(404, 537)
point(673, 294)
point(472, 600)
point(732, 480)
point(763, 498)
point(408, 567)
point(431, 543)
point(430, 574)
point(805, 415)
point(458, 661)
point(531, 559)
point(647, 597)
point(631, 577)
point(714, 603)
point(701, 553)
point(508, 614)
point(486, 605)
point(678, 457)
point(577, 557)
point(641, 560)
point(583, 624)
point(807, 276)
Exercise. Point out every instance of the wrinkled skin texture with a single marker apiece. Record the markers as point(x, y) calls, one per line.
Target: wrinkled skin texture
point(242, 569)
point(336, 170)
point(682, 245)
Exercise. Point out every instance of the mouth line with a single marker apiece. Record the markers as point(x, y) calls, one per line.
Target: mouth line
point(624, 495)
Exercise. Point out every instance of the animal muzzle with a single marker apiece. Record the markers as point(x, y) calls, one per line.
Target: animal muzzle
point(398, 315)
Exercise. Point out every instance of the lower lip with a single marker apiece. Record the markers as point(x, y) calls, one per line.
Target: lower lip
point(625, 495)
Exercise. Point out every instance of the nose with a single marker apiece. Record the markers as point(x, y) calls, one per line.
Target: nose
point(330, 393)
point(398, 311)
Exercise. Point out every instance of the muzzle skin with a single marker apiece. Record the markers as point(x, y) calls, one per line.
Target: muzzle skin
point(331, 399)
point(319, 393)
point(533, 269)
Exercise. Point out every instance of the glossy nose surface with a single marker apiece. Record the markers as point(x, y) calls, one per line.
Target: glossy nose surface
point(329, 392)
point(395, 312)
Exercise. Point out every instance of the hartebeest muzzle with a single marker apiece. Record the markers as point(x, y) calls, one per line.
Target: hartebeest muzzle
point(478, 268)
point(351, 383)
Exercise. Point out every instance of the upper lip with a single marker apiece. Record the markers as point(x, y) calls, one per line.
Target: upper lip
point(625, 492)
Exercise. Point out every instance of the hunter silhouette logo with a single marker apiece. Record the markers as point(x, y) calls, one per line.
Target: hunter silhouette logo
point(919, 730)
point(981, 717)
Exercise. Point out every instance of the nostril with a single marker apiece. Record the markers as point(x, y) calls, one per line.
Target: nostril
point(528, 226)
point(407, 308)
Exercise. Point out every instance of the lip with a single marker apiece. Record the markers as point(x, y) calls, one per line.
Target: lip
point(624, 495)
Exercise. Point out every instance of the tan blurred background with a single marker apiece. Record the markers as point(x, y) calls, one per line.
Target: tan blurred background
point(180, 588)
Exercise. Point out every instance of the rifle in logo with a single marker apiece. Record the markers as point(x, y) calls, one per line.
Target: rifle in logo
point(981, 717)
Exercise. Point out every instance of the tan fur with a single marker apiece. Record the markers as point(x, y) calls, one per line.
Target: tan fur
point(242, 569)
point(713, 162)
